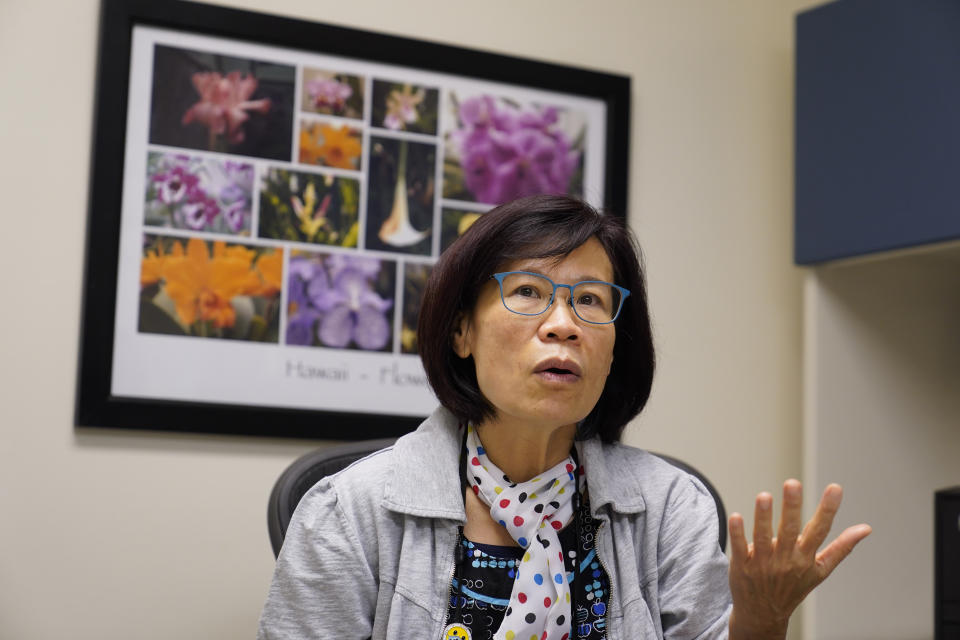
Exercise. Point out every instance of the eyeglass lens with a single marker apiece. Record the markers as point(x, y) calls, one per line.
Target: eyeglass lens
point(530, 295)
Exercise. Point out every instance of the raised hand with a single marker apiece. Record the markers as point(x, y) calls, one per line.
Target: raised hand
point(772, 575)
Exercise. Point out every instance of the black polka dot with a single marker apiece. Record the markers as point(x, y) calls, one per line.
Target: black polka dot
point(555, 504)
point(522, 497)
point(545, 543)
point(538, 508)
point(509, 610)
point(560, 620)
point(530, 618)
point(477, 479)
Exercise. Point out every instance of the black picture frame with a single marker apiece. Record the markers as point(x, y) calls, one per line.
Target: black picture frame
point(96, 405)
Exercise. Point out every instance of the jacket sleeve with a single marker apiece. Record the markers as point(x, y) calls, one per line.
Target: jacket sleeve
point(693, 585)
point(324, 585)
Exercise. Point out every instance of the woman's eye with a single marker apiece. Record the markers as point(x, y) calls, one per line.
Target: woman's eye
point(527, 292)
point(595, 300)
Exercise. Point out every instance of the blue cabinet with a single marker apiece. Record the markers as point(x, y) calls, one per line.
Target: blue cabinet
point(877, 127)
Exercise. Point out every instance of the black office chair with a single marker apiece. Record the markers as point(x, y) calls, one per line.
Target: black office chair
point(303, 473)
point(310, 468)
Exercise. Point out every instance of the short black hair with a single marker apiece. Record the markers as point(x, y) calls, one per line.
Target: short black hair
point(544, 226)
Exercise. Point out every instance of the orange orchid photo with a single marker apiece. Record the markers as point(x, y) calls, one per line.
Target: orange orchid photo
point(330, 145)
point(193, 287)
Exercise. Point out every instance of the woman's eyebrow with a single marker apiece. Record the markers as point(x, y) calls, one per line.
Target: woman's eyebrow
point(578, 278)
point(588, 278)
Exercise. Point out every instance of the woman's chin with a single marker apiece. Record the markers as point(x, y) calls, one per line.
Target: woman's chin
point(547, 416)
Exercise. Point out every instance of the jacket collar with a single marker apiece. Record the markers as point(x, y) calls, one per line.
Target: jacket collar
point(612, 477)
point(425, 479)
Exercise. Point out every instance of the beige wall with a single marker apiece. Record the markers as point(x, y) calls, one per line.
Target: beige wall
point(113, 535)
point(882, 406)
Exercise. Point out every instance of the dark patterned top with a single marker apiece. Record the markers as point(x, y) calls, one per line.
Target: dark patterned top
point(489, 572)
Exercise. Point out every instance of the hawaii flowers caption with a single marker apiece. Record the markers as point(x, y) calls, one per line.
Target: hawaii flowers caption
point(231, 292)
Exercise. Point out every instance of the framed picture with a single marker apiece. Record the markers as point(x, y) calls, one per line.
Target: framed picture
point(268, 197)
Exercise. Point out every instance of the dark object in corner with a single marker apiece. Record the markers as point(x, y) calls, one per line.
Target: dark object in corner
point(946, 567)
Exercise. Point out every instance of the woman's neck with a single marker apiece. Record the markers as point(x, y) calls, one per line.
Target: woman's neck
point(523, 451)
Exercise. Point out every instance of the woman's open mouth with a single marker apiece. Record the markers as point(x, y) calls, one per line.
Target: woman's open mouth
point(558, 370)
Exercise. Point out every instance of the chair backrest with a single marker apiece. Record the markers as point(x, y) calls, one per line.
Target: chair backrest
point(310, 468)
point(303, 473)
point(721, 512)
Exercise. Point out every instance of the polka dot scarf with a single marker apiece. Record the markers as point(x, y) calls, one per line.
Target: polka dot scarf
point(533, 512)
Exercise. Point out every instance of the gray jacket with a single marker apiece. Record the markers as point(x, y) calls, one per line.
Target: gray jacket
point(370, 550)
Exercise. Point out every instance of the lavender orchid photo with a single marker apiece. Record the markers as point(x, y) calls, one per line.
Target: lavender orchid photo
point(330, 93)
point(199, 194)
point(500, 150)
point(340, 301)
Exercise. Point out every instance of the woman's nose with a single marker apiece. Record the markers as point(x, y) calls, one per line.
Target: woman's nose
point(561, 321)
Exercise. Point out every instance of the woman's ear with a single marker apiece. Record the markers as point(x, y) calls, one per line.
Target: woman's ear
point(461, 336)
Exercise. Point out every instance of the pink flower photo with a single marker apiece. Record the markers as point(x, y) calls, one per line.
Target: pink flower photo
point(221, 103)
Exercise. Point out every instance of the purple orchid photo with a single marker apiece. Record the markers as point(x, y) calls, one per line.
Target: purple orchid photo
point(500, 150)
point(340, 301)
point(198, 194)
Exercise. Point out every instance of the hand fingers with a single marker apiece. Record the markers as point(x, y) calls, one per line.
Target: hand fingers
point(818, 528)
point(790, 517)
point(763, 525)
point(739, 549)
point(840, 548)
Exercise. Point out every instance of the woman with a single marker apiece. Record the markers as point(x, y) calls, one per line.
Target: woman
point(512, 512)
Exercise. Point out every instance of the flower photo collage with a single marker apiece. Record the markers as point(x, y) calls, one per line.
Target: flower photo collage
point(303, 204)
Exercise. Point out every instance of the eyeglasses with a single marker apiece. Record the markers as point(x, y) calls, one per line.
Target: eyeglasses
point(530, 294)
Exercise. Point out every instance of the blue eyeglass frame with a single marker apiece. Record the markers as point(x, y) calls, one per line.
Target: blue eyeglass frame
point(624, 294)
